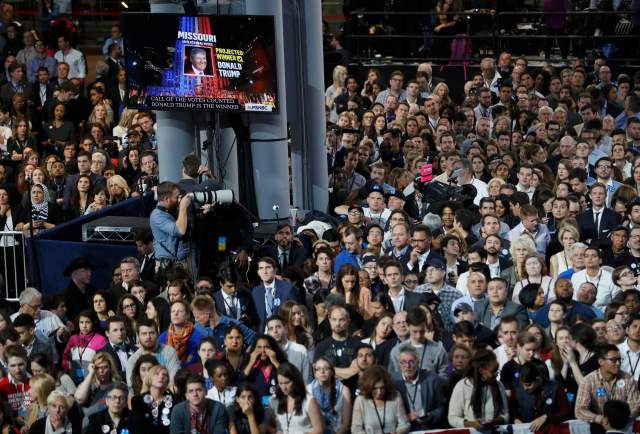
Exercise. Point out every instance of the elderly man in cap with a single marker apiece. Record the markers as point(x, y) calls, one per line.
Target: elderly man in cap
point(79, 290)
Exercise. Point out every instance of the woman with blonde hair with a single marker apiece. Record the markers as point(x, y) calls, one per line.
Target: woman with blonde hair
point(567, 235)
point(520, 248)
point(102, 373)
point(40, 387)
point(118, 189)
point(126, 122)
point(58, 419)
point(336, 89)
point(102, 114)
point(442, 90)
point(153, 406)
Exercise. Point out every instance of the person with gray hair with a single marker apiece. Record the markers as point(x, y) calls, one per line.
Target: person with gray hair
point(433, 222)
point(423, 392)
point(130, 271)
point(58, 418)
point(48, 324)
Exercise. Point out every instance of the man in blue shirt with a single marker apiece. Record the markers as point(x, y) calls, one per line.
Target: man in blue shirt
point(169, 229)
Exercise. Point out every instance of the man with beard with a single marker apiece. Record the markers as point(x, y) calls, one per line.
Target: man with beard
point(286, 253)
point(564, 293)
point(633, 210)
point(148, 339)
point(350, 376)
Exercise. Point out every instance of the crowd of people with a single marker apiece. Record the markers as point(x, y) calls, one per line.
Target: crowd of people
point(477, 265)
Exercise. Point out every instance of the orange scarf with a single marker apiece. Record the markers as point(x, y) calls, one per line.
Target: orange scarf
point(179, 341)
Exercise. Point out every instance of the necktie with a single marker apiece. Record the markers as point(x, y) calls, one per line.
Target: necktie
point(118, 348)
point(596, 223)
point(285, 261)
point(233, 313)
point(269, 294)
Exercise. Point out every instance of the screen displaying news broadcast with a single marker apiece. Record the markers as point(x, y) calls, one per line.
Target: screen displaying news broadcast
point(216, 63)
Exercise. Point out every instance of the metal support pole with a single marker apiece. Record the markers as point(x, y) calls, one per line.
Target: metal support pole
point(269, 132)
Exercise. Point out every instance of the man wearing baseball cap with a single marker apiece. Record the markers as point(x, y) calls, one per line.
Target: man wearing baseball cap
point(436, 285)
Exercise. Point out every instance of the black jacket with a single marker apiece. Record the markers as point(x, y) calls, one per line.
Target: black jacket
point(76, 300)
point(247, 313)
point(98, 420)
point(608, 222)
point(297, 255)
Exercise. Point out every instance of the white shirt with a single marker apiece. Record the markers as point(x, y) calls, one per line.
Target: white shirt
point(529, 190)
point(603, 281)
point(231, 303)
point(630, 360)
point(481, 189)
point(398, 301)
point(226, 397)
point(47, 323)
point(76, 61)
point(378, 218)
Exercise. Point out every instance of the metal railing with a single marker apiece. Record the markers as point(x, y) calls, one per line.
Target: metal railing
point(489, 32)
point(13, 264)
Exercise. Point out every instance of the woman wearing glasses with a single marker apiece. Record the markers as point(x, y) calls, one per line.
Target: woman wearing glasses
point(332, 396)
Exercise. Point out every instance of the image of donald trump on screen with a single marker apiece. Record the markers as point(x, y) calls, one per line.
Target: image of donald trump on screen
point(198, 62)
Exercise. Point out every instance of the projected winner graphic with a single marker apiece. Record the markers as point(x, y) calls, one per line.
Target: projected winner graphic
point(217, 63)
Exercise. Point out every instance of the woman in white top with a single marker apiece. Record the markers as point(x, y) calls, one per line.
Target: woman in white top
point(378, 409)
point(294, 410)
point(534, 271)
point(333, 397)
point(479, 401)
point(567, 235)
point(219, 374)
point(336, 89)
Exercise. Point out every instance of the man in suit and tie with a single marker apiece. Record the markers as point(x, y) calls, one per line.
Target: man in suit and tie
point(41, 90)
point(146, 254)
point(114, 63)
point(421, 251)
point(117, 93)
point(271, 293)
point(130, 269)
point(598, 221)
point(118, 347)
point(197, 64)
point(231, 301)
point(286, 253)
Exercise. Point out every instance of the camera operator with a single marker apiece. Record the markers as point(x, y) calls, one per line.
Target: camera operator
point(169, 224)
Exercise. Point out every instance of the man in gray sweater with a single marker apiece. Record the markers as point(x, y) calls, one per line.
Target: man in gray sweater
point(432, 356)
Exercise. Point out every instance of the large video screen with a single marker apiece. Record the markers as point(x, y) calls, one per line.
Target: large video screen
point(217, 63)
